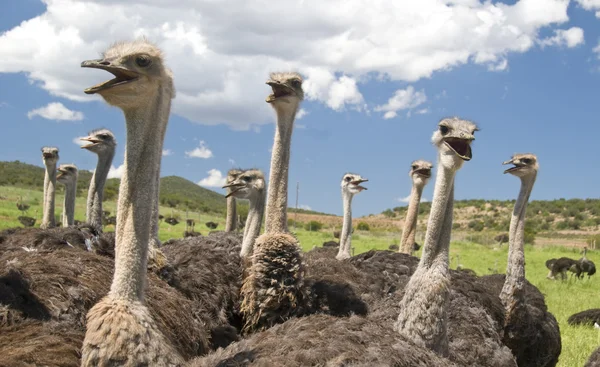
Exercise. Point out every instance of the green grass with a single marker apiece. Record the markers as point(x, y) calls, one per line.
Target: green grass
point(562, 298)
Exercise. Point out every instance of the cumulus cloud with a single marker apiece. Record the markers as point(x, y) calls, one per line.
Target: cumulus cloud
point(403, 99)
point(215, 179)
point(221, 55)
point(407, 199)
point(301, 113)
point(305, 207)
point(116, 172)
point(565, 37)
point(167, 152)
point(200, 152)
point(55, 111)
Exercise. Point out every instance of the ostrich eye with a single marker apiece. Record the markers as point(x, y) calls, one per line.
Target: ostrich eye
point(444, 129)
point(526, 160)
point(414, 167)
point(348, 179)
point(102, 136)
point(246, 179)
point(142, 61)
point(295, 83)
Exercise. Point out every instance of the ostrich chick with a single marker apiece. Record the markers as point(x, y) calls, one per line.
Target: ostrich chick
point(350, 187)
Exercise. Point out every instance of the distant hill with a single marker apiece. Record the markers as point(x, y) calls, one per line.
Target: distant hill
point(175, 191)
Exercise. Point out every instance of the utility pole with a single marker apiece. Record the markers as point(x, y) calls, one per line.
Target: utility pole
point(296, 214)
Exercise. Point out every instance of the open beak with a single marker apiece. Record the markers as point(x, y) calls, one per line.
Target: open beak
point(516, 166)
point(460, 146)
point(122, 75)
point(235, 187)
point(423, 172)
point(279, 91)
point(91, 140)
point(358, 182)
point(47, 155)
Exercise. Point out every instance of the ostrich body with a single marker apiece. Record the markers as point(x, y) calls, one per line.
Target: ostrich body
point(350, 187)
point(101, 142)
point(67, 175)
point(420, 172)
point(249, 184)
point(274, 288)
point(424, 308)
point(120, 326)
point(50, 157)
point(587, 266)
point(231, 220)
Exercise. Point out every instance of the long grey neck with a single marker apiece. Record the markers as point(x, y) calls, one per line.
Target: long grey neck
point(253, 223)
point(138, 194)
point(231, 220)
point(276, 221)
point(410, 223)
point(514, 283)
point(96, 191)
point(48, 220)
point(423, 314)
point(68, 218)
point(345, 250)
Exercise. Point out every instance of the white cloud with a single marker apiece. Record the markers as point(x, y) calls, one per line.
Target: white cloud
point(77, 140)
point(200, 152)
point(56, 111)
point(565, 37)
point(221, 55)
point(590, 5)
point(116, 172)
point(305, 207)
point(232, 161)
point(402, 99)
point(215, 179)
point(597, 49)
point(301, 113)
point(167, 152)
point(404, 199)
point(423, 111)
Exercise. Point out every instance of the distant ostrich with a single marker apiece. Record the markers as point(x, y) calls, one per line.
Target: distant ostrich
point(189, 223)
point(26, 221)
point(23, 207)
point(231, 220)
point(429, 284)
point(549, 265)
point(501, 238)
point(274, 288)
point(561, 266)
point(102, 142)
point(351, 185)
point(172, 221)
point(530, 331)
point(420, 172)
point(120, 326)
point(249, 184)
point(67, 175)
point(50, 157)
point(211, 225)
point(587, 266)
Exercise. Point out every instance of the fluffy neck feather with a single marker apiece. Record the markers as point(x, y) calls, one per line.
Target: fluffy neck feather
point(96, 191)
point(138, 194)
point(68, 218)
point(346, 234)
point(276, 221)
point(410, 223)
point(253, 223)
point(48, 220)
point(515, 270)
point(231, 220)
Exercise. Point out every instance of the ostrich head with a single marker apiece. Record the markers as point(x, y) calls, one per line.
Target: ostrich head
point(287, 90)
point(420, 172)
point(351, 183)
point(67, 173)
point(232, 174)
point(139, 72)
point(453, 139)
point(523, 165)
point(246, 183)
point(100, 140)
point(50, 155)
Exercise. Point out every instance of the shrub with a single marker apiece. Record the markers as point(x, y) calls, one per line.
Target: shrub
point(362, 226)
point(313, 225)
point(476, 225)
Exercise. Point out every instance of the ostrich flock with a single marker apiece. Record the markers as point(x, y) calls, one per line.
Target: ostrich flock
point(75, 295)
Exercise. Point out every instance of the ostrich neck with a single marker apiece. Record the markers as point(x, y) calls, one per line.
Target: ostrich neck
point(346, 234)
point(514, 283)
point(69, 204)
point(423, 314)
point(48, 220)
point(231, 220)
point(276, 221)
point(253, 223)
point(410, 224)
point(96, 191)
point(138, 194)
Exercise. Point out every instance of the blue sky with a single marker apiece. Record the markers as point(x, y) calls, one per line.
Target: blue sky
point(534, 92)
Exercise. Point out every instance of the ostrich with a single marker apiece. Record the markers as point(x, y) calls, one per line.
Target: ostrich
point(587, 266)
point(211, 225)
point(50, 157)
point(67, 175)
point(562, 265)
point(26, 221)
point(120, 326)
point(231, 221)
point(249, 184)
point(350, 187)
point(23, 207)
point(274, 288)
point(420, 172)
point(429, 284)
point(501, 238)
point(101, 142)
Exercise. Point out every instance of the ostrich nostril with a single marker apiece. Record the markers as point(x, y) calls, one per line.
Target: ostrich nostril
point(104, 63)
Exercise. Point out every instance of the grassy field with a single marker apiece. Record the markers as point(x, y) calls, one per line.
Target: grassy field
point(562, 298)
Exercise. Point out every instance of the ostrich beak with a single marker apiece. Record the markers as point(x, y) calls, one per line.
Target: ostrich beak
point(122, 74)
point(91, 140)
